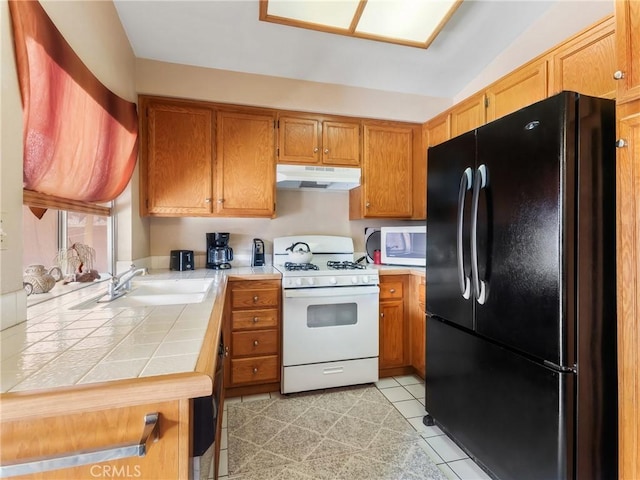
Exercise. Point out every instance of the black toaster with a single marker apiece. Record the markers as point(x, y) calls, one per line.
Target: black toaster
point(181, 260)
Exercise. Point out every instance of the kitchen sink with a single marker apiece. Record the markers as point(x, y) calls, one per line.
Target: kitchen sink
point(151, 293)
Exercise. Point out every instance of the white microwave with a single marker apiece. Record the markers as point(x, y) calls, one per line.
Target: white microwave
point(404, 245)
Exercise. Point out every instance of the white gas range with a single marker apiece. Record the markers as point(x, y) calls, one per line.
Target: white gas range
point(329, 315)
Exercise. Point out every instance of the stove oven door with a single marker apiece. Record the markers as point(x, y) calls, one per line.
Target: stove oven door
point(329, 324)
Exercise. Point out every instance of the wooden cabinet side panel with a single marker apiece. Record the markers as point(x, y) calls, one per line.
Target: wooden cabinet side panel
point(627, 14)
point(103, 429)
point(387, 171)
point(179, 159)
point(586, 63)
point(628, 267)
point(245, 164)
point(523, 87)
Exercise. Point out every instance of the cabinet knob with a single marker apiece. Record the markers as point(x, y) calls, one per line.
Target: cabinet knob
point(367, 204)
point(381, 314)
point(255, 319)
point(255, 343)
point(315, 149)
point(255, 299)
point(392, 290)
point(621, 143)
point(207, 200)
point(226, 351)
point(618, 75)
point(255, 369)
point(221, 200)
point(326, 150)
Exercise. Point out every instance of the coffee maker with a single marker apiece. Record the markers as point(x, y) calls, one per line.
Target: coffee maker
point(219, 253)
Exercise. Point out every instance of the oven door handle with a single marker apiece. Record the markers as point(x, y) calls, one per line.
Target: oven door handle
point(331, 292)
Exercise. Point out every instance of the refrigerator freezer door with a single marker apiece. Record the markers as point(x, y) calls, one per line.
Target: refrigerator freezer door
point(449, 182)
point(512, 415)
point(529, 165)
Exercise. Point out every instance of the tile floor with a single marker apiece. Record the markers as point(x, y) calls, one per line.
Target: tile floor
point(406, 394)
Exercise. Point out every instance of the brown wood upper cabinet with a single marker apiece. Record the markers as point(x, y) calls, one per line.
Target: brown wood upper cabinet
point(176, 158)
point(314, 140)
point(627, 72)
point(181, 176)
point(387, 184)
point(586, 63)
point(245, 164)
point(468, 115)
point(523, 87)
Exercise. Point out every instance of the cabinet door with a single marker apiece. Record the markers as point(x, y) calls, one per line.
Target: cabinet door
point(523, 87)
point(392, 335)
point(178, 159)
point(417, 325)
point(592, 52)
point(341, 144)
point(245, 165)
point(628, 49)
point(628, 264)
point(387, 167)
point(438, 130)
point(298, 140)
point(468, 115)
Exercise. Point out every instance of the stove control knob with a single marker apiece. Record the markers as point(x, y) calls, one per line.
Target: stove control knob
point(333, 280)
point(365, 279)
point(354, 279)
point(298, 281)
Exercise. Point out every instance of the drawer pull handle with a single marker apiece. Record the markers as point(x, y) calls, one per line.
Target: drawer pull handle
point(255, 319)
point(255, 343)
point(255, 369)
point(86, 457)
point(255, 299)
point(392, 290)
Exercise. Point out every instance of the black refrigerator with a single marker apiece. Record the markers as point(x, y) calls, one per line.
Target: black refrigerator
point(521, 365)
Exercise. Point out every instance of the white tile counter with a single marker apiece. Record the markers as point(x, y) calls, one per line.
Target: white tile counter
point(59, 346)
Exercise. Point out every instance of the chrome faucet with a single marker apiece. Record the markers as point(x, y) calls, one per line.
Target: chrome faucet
point(121, 284)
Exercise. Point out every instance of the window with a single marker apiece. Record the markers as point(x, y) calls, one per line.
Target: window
point(59, 230)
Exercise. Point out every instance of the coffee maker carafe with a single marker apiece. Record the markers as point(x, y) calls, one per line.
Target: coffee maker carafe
point(219, 253)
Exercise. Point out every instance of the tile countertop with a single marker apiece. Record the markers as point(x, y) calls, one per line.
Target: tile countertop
point(59, 346)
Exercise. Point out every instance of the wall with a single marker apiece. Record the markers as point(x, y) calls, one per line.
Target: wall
point(94, 31)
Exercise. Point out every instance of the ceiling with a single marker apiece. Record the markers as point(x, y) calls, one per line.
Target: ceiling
point(226, 34)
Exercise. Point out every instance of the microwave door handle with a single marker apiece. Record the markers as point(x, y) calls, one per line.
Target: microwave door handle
point(466, 182)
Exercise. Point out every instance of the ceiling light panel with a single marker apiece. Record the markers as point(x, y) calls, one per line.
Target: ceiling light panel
point(336, 14)
point(411, 20)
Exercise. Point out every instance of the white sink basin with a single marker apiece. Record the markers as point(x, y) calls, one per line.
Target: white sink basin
point(155, 292)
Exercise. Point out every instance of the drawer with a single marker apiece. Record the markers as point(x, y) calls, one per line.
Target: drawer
point(258, 342)
point(391, 290)
point(245, 319)
point(255, 298)
point(255, 369)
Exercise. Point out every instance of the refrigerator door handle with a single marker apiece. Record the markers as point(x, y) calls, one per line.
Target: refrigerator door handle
point(466, 183)
point(479, 286)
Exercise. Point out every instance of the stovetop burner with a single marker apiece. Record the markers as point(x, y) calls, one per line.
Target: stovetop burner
point(290, 266)
point(345, 265)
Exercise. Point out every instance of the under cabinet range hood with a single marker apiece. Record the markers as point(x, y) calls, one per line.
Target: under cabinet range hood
point(309, 177)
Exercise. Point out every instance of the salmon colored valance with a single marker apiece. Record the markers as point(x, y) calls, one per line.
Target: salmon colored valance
point(80, 139)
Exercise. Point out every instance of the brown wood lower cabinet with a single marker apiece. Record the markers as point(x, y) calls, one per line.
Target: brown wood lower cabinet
point(253, 325)
point(393, 347)
point(167, 457)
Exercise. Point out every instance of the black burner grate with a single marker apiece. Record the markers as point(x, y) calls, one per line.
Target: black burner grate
point(345, 265)
point(290, 266)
